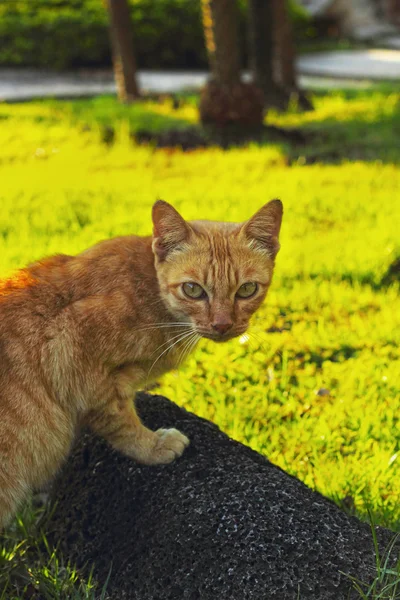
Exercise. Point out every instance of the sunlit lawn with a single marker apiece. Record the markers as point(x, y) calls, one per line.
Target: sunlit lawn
point(316, 389)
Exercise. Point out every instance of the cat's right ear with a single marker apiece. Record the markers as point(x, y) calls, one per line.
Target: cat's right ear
point(170, 230)
point(262, 230)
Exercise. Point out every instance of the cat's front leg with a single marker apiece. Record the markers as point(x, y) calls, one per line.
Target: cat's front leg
point(120, 425)
point(8, 508)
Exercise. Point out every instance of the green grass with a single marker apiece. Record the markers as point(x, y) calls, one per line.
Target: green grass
point(30, 568)
point(346, 124)
point(317, 387)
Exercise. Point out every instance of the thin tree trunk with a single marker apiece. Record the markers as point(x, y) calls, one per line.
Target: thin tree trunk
point(124, 61)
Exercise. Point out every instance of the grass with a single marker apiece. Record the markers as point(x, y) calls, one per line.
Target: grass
point(317, 387)
point(386, 584)
point(346, 124)
point(30, 568)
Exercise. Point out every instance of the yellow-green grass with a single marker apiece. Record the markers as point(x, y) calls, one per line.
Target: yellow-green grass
point(328, 326)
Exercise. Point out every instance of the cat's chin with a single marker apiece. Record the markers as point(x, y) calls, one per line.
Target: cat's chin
point(218, 337)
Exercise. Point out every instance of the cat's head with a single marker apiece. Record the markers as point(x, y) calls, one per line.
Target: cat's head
point(215, 275)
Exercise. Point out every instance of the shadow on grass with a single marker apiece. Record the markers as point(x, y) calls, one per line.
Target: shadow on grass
point(346, 125)
point(375, 280)
point(354, 140)
point(349, 125)
point(392, 274)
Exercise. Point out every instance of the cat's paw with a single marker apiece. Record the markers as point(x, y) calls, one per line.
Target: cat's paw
point(170, 445)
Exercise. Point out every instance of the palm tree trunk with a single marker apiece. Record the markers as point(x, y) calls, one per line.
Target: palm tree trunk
point(124, 61)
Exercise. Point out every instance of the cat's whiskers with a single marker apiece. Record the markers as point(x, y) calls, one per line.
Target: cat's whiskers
point(262, 343)
point(155, 302)
point(170, 340)
point(192, 345)
point(162, 326)
point(168, 323)
point(246, 337)
point(188, 347)
point(170, 347)
point(179, 359)
point(258, 338)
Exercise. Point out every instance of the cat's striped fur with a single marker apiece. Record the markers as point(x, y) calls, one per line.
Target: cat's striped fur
point(79, 334)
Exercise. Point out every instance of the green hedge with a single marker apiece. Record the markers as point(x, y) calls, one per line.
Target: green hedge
point(62, 34)
point(70, 33)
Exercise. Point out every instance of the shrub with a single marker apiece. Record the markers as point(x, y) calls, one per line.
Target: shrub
point(60, 34)
point(71, 33)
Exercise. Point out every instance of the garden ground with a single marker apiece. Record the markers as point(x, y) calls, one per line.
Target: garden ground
point(316, 388)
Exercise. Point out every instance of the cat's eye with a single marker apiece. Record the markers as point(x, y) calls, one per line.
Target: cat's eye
point(193, 290)
point(247, 290)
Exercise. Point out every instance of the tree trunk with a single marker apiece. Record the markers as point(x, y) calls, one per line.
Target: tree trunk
point(392, 11)
point(272, 53)
point(285, 73)
point(262, 52)
point(285, 55)
point(225, 99)
point(261, 43)
point(124, 62)
point(220, 21)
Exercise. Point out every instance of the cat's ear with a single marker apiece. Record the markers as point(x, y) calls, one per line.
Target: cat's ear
point(262, 230)
point(170, 230)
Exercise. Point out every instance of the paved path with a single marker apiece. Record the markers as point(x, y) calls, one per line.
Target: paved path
point(374, 64)
point(392, 41)
point(355, 68)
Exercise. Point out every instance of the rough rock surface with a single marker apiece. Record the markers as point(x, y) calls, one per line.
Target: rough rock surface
point(219, 523)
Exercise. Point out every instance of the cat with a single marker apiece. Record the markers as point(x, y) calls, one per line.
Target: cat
point(80, 334)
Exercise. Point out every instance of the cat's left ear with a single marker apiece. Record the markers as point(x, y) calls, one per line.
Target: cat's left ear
point(170, 230)
point(262, 230)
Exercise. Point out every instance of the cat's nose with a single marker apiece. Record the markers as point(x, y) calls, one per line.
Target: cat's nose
point(222, 326)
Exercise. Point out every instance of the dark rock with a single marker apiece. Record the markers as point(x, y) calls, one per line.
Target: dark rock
point(219, 523)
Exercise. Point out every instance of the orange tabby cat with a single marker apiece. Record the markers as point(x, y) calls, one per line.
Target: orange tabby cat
point(78, 335)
